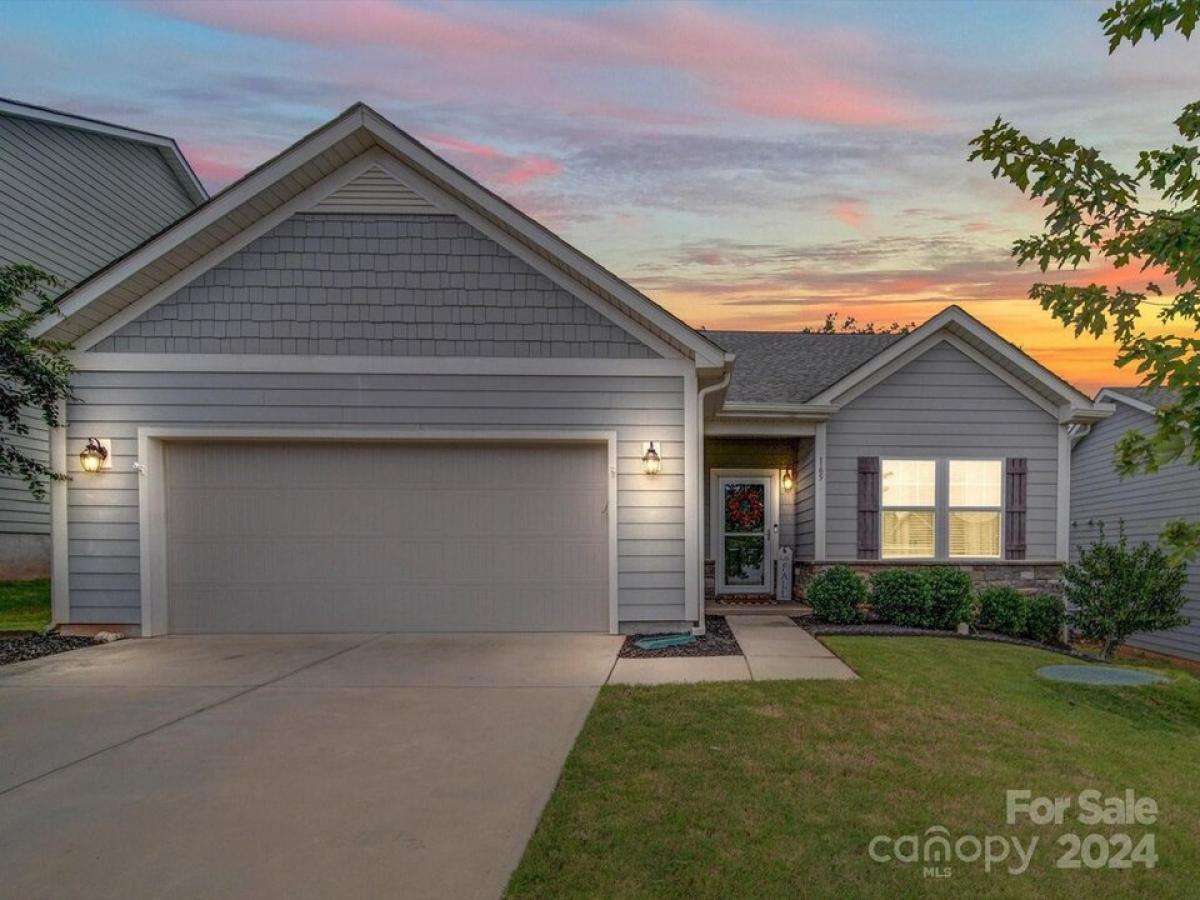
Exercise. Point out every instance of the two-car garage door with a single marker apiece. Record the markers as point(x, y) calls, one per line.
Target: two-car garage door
point(326, 536)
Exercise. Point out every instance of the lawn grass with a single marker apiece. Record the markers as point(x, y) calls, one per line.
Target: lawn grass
point(24, 605)
point(775, 789)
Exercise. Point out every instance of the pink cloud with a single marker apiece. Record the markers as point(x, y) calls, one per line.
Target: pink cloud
point(783, 72)
point(494, 165)
point(849, 212)
point(219, 166)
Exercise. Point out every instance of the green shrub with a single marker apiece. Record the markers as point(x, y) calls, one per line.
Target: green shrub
point(1115, 591)
point(1003, 609)
point(901, 597)
point(949, 597)
point(1044, 618)
point(835, 594)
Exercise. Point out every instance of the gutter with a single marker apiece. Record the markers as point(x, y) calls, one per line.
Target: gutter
point(698, 630)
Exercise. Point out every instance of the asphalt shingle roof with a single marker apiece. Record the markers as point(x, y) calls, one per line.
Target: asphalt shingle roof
point(793, 367)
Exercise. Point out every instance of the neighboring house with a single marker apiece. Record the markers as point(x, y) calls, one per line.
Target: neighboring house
point(1144, 503)
point(357, 391)
point(74, 195)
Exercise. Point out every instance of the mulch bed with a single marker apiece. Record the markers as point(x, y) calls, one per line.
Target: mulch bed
point(19, 649)
point(718, 640)
point(816, 627)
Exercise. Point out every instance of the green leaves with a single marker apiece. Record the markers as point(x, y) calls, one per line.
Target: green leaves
point(1115, 590)
point(1135, 223)
point(34, 374)
point(1129, 20)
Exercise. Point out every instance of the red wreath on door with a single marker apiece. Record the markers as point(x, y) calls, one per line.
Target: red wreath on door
point(744, 509)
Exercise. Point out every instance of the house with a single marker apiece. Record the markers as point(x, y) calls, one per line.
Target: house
point(77, 193)
point(357, 391)
point(1100, 498)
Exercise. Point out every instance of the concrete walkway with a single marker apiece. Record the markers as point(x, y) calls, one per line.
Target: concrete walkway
point(290, 766)
point(777, 648)
point(774, 648)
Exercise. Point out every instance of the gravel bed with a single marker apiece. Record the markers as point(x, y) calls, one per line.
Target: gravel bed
point(19, 649)
point(815, 627)
point(718, 640)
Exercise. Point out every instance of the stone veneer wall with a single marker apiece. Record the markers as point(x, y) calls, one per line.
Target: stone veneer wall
point(1028, 578)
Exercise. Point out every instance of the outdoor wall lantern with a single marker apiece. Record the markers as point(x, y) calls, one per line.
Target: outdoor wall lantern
point(651, 460)
point(94, 456)
point(787, 480)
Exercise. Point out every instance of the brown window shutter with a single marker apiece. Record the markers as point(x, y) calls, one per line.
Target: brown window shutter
point(1016, 481)
point(868, 507)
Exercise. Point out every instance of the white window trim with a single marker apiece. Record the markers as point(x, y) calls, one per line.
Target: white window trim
point(941, 508)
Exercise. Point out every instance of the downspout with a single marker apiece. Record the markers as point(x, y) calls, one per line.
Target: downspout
point(698, 629)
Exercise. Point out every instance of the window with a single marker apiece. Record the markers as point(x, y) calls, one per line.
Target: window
point(938, 508)
point(909, 496)
point(976, 501)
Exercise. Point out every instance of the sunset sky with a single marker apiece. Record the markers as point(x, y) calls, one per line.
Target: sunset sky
point(747, 166)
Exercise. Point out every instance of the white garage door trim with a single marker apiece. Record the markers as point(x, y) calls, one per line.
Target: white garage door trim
point(152, 506)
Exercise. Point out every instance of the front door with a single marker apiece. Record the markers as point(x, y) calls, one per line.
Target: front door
point(745, 519)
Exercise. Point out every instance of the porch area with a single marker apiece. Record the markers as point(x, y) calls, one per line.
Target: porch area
point(759, 521)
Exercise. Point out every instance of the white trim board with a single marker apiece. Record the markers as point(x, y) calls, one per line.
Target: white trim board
point(1118, 397)
point(956, 317)
point(60, 545)
point(375, 365)
point(1062, 507)
point(882, 373)
point(693, 476)
point(152, 526)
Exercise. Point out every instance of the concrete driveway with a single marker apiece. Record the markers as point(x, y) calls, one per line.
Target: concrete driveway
point(286, 766)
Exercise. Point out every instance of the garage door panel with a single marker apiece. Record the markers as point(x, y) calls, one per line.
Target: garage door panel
point(369, 537)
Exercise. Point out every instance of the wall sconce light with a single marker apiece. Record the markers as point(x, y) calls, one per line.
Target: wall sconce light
point(787, 480)
point(95, 455)
point(651, 458)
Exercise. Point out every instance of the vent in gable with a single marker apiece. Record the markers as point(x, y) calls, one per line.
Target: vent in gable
point(376, 191)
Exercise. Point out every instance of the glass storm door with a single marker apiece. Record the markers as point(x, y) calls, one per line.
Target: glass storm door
point(745, 535)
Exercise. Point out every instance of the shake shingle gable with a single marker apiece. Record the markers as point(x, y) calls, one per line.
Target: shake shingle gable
point(793, 367)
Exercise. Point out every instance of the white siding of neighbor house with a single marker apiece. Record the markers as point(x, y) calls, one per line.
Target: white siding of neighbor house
point(941, 404)
point(103, 508)
point(1143, 503)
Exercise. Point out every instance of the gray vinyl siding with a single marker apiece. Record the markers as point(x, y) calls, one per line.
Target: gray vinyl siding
point(71, 201)
point(1144, 503)
point(939, 405)
point(375, 285)
point(376, 191)
point(20, 511)
point(804, 502)
point(103, 509)
point(752, 453)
